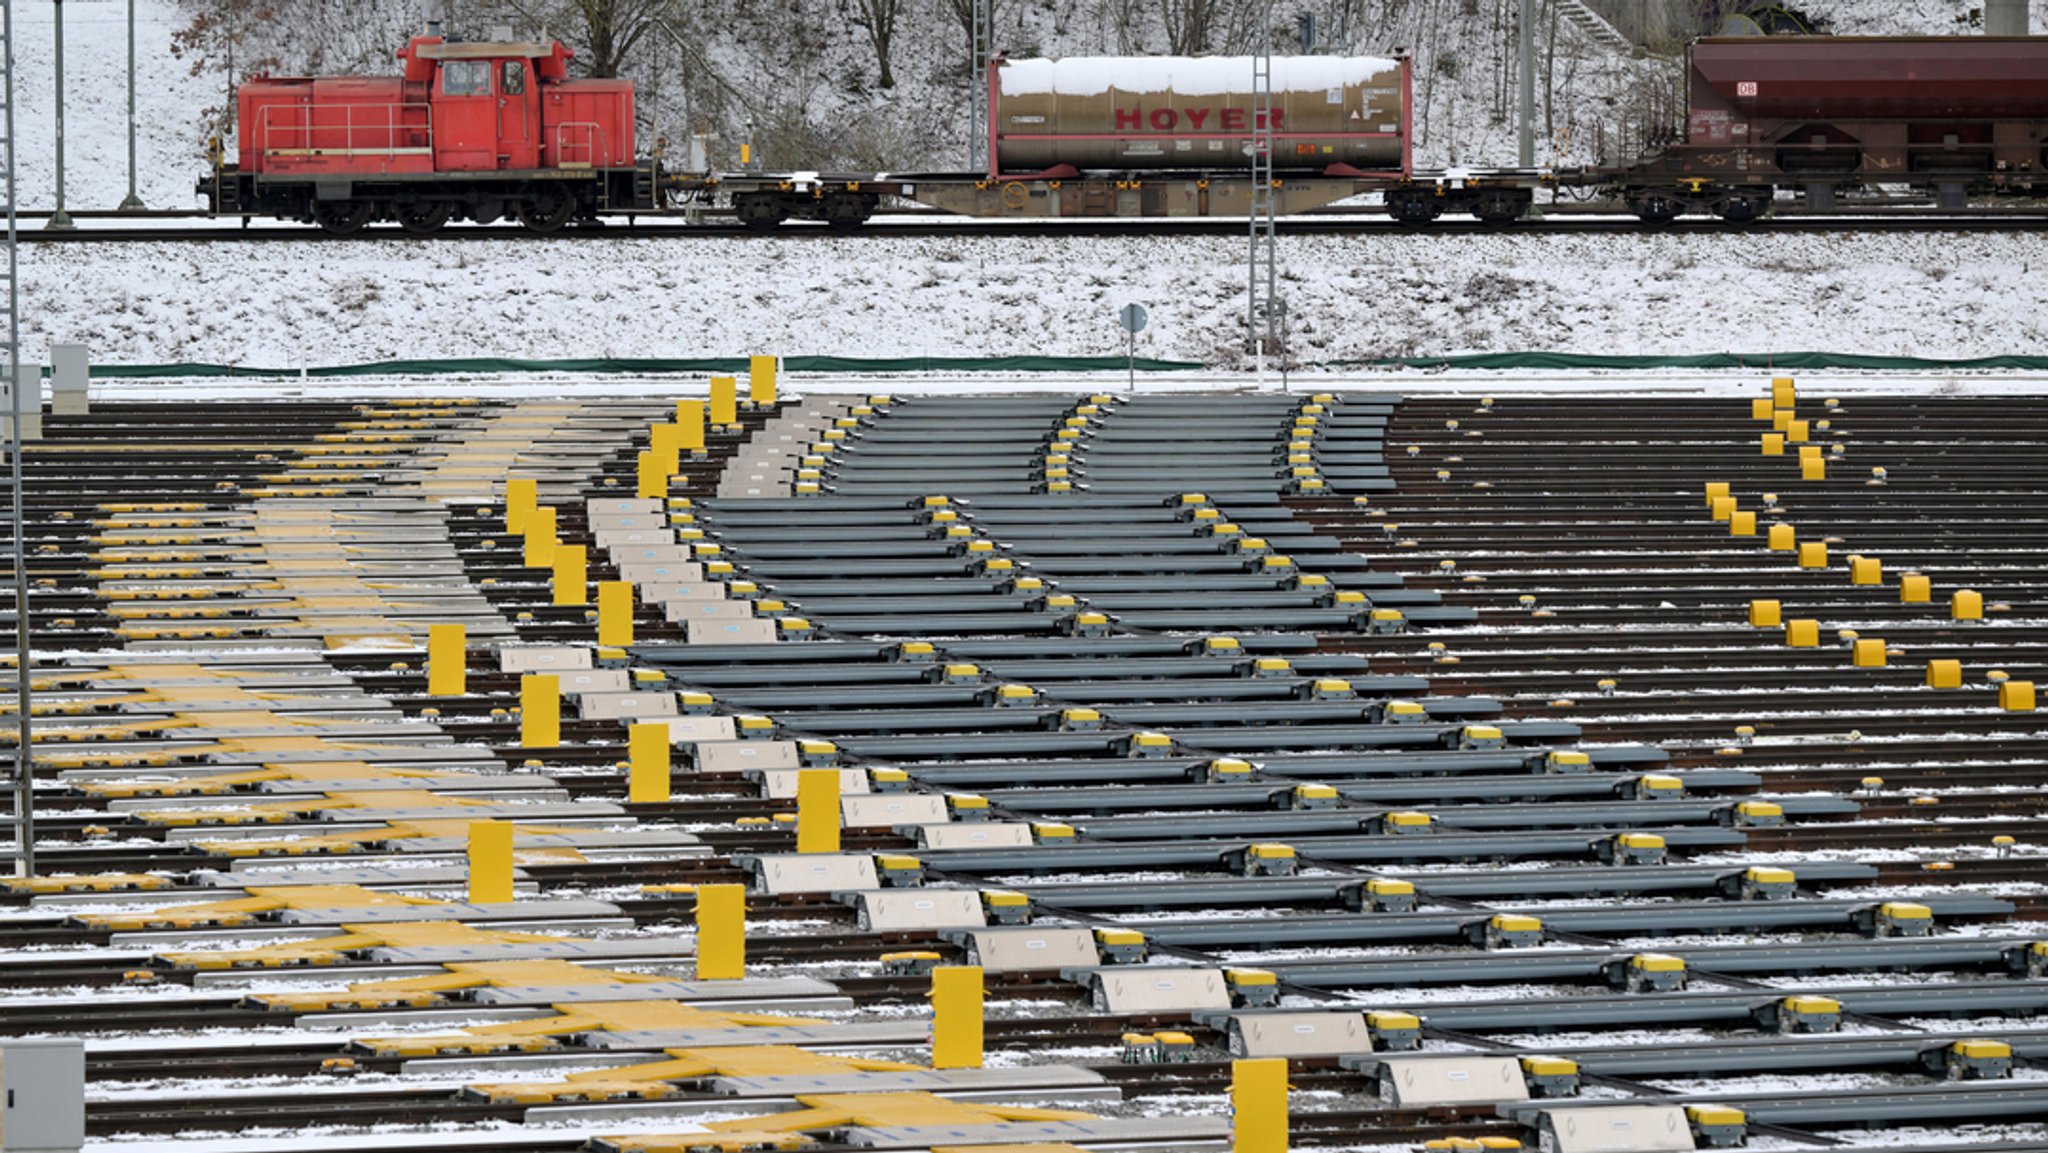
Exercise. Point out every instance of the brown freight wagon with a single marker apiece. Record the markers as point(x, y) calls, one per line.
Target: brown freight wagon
point(1960, 116)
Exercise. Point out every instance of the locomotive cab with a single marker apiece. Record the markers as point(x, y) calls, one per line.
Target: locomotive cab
point(473, 131)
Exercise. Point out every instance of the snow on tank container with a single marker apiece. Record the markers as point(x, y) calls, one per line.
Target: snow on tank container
point(1131, 113)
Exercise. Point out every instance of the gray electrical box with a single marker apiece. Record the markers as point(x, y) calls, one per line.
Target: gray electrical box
point(70, 374)
point(42, 1096)
point(31, 381)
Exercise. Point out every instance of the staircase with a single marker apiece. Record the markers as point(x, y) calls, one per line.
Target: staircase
point(1595, 26)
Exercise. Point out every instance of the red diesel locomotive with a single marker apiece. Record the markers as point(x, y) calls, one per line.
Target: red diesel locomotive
point(469, 131)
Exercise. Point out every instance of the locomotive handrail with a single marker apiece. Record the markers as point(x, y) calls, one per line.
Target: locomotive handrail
point(567, 152)
point(375, 132)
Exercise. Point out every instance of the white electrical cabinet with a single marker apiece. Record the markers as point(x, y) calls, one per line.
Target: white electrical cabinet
point(42, 1096)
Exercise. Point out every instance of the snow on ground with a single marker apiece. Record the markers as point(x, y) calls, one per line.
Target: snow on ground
point(170, 137)
point(1931, 295)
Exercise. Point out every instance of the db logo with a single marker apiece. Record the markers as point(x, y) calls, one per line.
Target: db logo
point(1745, 88)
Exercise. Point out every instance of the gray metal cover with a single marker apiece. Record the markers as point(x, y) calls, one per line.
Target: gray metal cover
point(582, 681)
point(887, 810)
point(1299, 1034)
point(901, 910)
point(1418, 1081)
point(542, 658)
point(816, 873)
point(748, 632)
point(1031, 950)
point(780, 784)
point(692, 730)
point(698, 612)
point(651, 572)
point(1616, 1129)
point(975, 835)
point(745, 756)
point(626, 706)
point(1149, 989)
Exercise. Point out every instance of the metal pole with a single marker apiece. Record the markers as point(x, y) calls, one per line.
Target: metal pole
point(1131, 360)
point(59, 219)
point(133, 203)
point(1528, 66)
point(24, 749)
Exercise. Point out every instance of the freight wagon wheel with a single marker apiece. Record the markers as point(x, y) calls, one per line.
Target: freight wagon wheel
point(1741, 207)
point(547, 210)
point(342, 217)
point(1656, 206)
point(423, 219)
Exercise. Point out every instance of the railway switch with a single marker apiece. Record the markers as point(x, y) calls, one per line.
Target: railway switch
point(1252, 988)
point(1897, 919)
point(899, 870)
point(1718, 1126)
point(1310, 797)
point(1382, 895)
point(1971, 1060)
point(1653, 973)
point(1766, 883)
point(1386, 622)
point(1264, 859)
point(1407, 822)
point(1403, 713)
point(1754, 814)
point(1508, 931)
point(1088, 624)
point(1550, 1077)
point(1150, 744)
point(1633, 849)
point(1805, 1014)
point(1392, 1031)
point(1006, 907)
point(1481, 737)
point(1331, 689)
point(1567, 761)
point(1228, 770)
point(1121, 946)
point(1658, 787)
point(1079, 720)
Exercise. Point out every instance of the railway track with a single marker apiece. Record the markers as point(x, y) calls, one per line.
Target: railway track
point(1639, 588)
point(912, 227)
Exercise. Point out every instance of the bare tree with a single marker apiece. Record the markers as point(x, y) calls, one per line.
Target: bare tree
point(963, 11)
point(877, 18)
point(1189, 25)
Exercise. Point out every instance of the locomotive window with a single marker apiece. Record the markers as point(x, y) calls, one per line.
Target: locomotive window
point(465, 78)
point(515, 78)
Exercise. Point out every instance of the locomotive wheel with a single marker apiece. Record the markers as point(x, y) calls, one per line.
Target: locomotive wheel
point(423, 219)
point(342, 217)
point(547, 210)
